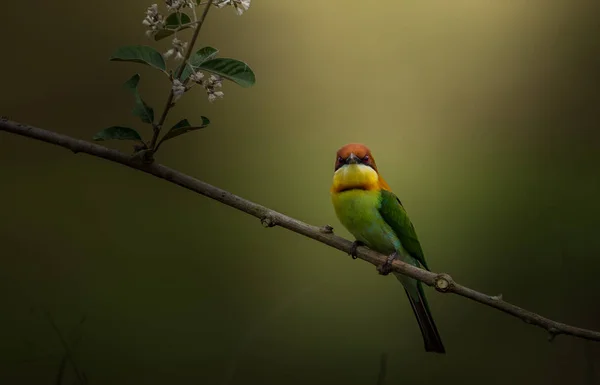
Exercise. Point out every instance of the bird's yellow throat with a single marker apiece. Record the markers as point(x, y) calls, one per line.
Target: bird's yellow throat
point(355, 176)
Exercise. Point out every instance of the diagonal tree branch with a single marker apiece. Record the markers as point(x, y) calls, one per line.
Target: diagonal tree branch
point(269, 218)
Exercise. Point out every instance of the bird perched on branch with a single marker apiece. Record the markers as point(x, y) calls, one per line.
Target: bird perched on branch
point(366, 206)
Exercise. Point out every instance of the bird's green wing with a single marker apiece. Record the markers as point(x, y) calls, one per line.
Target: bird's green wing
point(395, 216)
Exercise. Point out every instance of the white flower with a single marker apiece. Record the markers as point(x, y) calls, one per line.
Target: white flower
point(151, 14)
point(178, 89)
point(153, 20)
point(197, 77)
point(213, 82)
point(212, 96)
point(178, 49)
point(176, 5)
point(239, 5)
point(221, 3)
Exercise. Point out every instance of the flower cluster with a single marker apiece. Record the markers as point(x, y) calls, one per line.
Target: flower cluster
point(239, 5)
point(177, 5)
point(178, 49)
point(153, 20)
point(197, 77)
point(156, 22)
point(211, 85)
point(178, 89)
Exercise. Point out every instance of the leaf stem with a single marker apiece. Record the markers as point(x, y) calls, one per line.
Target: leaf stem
point(182, 26)
point(188, 53)
point(162, 139)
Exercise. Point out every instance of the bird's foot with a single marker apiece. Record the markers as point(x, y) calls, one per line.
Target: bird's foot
point(355, 245)
point(386, 267)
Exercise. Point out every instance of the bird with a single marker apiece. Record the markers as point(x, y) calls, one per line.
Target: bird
point(366, 206)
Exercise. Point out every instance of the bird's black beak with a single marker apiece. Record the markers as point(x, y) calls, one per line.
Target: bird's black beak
point(352, 159)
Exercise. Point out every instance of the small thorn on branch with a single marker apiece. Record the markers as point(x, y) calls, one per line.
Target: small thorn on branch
point(139, 147)
point(327, 229)
point(552, 333)
point(497, 297)
point(268, 221)
point(145, 156)
point(443, 282)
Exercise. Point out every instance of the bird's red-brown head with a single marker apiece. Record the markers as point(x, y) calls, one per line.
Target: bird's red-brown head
point(355, 168)
point(354, 153)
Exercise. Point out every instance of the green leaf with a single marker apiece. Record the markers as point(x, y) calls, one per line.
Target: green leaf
point(173, 21)
point(184, 126)
point(234, 70)
point(140, 54)
point(141, 109)
point(117, 132)
point(163, 33)
point(199, 57)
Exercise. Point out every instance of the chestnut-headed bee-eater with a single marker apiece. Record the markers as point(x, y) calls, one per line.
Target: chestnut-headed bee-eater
point(366, 206)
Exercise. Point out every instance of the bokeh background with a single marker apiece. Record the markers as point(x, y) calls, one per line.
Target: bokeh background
point(483, 117)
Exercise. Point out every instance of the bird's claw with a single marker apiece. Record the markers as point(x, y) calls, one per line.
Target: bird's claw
point(386, 267)
point(353, 252)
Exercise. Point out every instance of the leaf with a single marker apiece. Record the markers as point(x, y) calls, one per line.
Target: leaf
point(183, 127)
point(199, 57)
point(234, 70)
point(117, 132)
point(141, 109)
point(173, 21)
point(176, 19)
point(163, 33)
point(140, 54)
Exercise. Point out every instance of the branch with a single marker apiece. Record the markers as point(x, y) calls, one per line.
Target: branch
point(188, 53)
point(269, 218)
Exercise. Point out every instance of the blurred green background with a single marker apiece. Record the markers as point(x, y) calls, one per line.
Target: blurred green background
point(483, 117)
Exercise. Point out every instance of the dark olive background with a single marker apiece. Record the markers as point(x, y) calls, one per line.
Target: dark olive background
point(482, 115)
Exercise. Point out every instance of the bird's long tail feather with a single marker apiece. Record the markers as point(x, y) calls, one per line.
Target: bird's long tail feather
point(431, 336)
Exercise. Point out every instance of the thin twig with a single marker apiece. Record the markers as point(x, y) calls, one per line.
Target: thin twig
point(382, 369)
point(66, 349)
point(61, 369)
point(188, 53)
point(161, 141)
point(183, 26)
point(269, 218)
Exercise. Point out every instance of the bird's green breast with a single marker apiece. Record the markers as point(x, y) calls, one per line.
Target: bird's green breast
point(358, 211)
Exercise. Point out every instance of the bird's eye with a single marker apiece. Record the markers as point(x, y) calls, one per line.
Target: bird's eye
point(340, 159)
point(366, 158)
